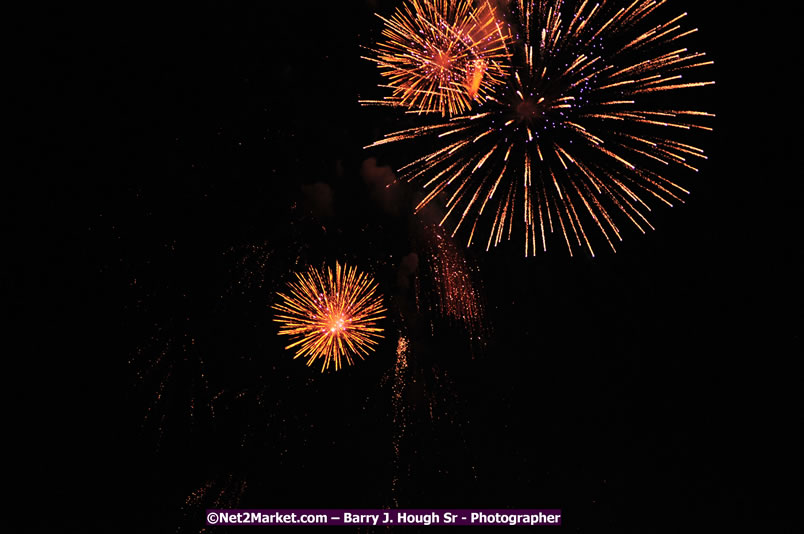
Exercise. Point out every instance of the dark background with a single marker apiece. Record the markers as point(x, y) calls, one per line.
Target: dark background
point(160, 203)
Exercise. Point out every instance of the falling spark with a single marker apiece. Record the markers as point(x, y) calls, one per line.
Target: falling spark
point(331, 315)
point(458, 298)
point(400, 379)
point(225, 492)
point(171, 370)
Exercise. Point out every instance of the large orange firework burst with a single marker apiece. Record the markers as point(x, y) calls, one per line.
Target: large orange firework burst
point(583, 135)
point(440, 55)
point(331, 315)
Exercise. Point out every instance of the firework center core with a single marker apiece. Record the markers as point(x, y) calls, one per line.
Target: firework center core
point(337, 324)
point(442, 59)
point(531, 109)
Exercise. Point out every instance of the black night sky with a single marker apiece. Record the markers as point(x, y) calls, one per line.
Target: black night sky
point(179, 164)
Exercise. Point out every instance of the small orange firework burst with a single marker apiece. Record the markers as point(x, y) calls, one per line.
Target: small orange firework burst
point(440, 55)
point(331, 315)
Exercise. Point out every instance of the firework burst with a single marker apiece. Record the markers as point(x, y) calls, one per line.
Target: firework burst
point(331, 315)
point(582, 135)
point(440, 55)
